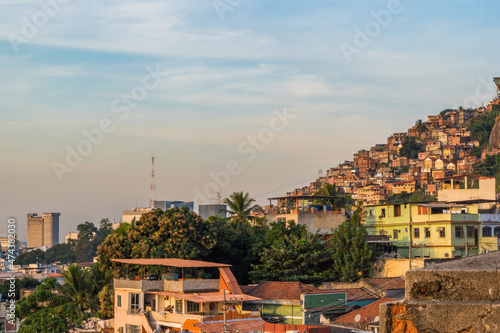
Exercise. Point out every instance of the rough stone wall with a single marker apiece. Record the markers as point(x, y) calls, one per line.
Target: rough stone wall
point(456, 296)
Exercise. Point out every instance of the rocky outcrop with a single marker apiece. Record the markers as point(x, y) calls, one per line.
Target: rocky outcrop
point(494, 141)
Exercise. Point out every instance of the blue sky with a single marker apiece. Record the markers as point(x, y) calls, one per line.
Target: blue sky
point(224, 77)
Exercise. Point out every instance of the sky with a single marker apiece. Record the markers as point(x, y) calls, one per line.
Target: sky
point(230, 95)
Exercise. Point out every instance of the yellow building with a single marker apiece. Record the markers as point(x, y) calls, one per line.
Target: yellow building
point(433, 230)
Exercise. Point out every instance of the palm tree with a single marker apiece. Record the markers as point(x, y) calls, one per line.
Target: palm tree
point(239, 206)
point(329, 190)
point(77, 288)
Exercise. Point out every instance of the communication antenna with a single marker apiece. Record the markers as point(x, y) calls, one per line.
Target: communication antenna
point(152, 192)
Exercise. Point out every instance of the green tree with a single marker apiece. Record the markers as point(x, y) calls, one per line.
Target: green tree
point(417, 196)
point(173, 233)
point(303, 258)
point(351, 255)
point(86, 230)
point(26, 282)
point(329, 190)
point(410, 148)
point(47, 311)
point(78, 289)
point(420, 126)
point(106, 300)
point(239, 206)
point(231, 247)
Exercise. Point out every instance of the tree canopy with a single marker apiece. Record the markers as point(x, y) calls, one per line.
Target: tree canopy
point(410, 148)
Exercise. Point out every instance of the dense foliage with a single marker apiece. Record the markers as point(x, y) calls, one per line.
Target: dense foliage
point(481, 126)
point(489, 167)
point(410, 148)
point(24, 283)
point(417, 196)
point(84, 249)
point(58, 308)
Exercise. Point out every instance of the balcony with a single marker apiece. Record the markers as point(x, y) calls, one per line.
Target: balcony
point(141, 285)
point(191, 285)
point(182, 285)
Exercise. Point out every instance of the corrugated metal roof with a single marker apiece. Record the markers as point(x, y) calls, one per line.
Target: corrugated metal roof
point(249, 325)
point(170, 262)
point(205, 297)
point(230, 280)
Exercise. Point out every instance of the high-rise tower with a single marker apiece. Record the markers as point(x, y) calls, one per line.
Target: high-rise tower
point(43, 230)
point(152, 192)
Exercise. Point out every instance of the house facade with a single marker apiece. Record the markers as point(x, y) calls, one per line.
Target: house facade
point(432, 230)
point(152, 302)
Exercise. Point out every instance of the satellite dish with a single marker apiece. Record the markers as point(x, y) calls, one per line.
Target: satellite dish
point(357, 318)
point(376, 319)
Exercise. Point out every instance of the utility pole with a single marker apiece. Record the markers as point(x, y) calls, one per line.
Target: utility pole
point(225, 316)
point(410, 239)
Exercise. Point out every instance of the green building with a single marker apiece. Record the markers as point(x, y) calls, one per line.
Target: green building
point(294, 302)
point(434, 230)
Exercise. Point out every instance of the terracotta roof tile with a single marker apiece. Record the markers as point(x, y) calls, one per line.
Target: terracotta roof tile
point(387, 283)
point(280, 290)
point(367, 314)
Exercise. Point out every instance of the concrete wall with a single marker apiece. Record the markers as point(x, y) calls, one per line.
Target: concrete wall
point(457, 296)
point(314, 221)
point(384, 268)
point(167, 285)
point(486, 191)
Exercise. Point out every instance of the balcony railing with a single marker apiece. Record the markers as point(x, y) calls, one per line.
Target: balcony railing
point(182, 285)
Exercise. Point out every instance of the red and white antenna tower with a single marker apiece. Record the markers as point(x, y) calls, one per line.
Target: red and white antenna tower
point(152, 192)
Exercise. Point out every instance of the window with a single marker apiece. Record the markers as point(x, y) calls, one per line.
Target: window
point(178, 306)
point(441, 231)
point(371, 213)
point(133, 329)
point(134, 303)
point(416, 232)
point(459, 232)
point(397, 210)
point(395, 234)
point(153, 304)
point(487, 232)
point(119, 300)
point(193, 307)
point(427, 232)
point(470, 232)
point(496, 232)
point(382, 213)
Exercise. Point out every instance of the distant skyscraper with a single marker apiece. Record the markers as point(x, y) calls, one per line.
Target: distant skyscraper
point(173, 204)
point(212, 210)
point(43, 230)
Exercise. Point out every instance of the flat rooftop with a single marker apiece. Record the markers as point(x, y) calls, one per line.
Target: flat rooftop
point(170, 262)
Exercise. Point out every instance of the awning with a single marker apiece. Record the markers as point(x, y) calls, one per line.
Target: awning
point(170, 262)
point(169, 324)
point(205, 297)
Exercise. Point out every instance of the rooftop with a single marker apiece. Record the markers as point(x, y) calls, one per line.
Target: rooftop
point(290, 291)
point(366, 315)
point(481, 262)
point(170, 262)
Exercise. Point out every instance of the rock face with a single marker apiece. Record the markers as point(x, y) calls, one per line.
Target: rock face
point(458, 296)
point(494, 141)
